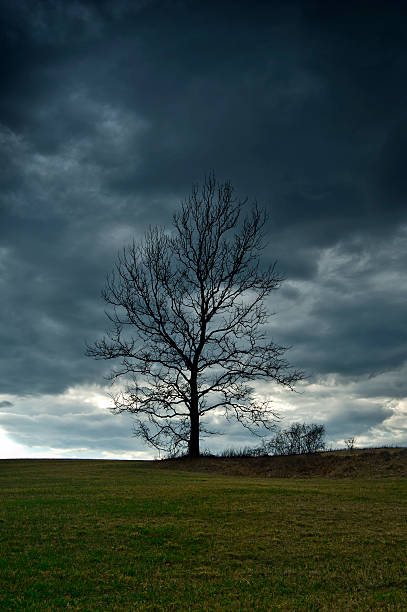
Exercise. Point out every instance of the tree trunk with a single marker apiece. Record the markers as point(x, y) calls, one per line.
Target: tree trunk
point(193, 445)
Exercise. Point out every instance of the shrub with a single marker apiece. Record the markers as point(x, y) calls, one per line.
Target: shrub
point(298, 439)
point(350, 443)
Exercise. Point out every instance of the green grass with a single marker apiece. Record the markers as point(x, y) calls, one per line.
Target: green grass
point(105, 535)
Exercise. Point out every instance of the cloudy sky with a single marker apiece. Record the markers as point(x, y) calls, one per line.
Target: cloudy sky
point(109, 111)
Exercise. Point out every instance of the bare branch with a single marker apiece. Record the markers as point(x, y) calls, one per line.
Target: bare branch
point(189, 324)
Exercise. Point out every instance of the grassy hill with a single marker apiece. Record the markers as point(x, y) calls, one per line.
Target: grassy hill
point(132, 535)
point(356, 463)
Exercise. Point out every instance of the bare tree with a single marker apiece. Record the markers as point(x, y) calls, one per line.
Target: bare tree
point(297, 439)
point(189, 323)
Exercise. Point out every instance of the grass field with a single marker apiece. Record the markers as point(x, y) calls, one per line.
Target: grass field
point(114, 535)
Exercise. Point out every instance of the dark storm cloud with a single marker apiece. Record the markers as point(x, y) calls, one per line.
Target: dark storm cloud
point(351, 318)
point(357, 419)
point(108, 113)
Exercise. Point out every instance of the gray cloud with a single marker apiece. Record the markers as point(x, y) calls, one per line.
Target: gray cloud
point(66, 423)
point(350, 317)
point(356, 419)
point(110, 111)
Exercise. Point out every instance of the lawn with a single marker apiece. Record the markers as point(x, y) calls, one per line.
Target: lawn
point(124, 535)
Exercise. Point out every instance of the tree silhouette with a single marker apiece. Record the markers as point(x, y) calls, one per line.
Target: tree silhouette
point(189, 323)
point(297, 439)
